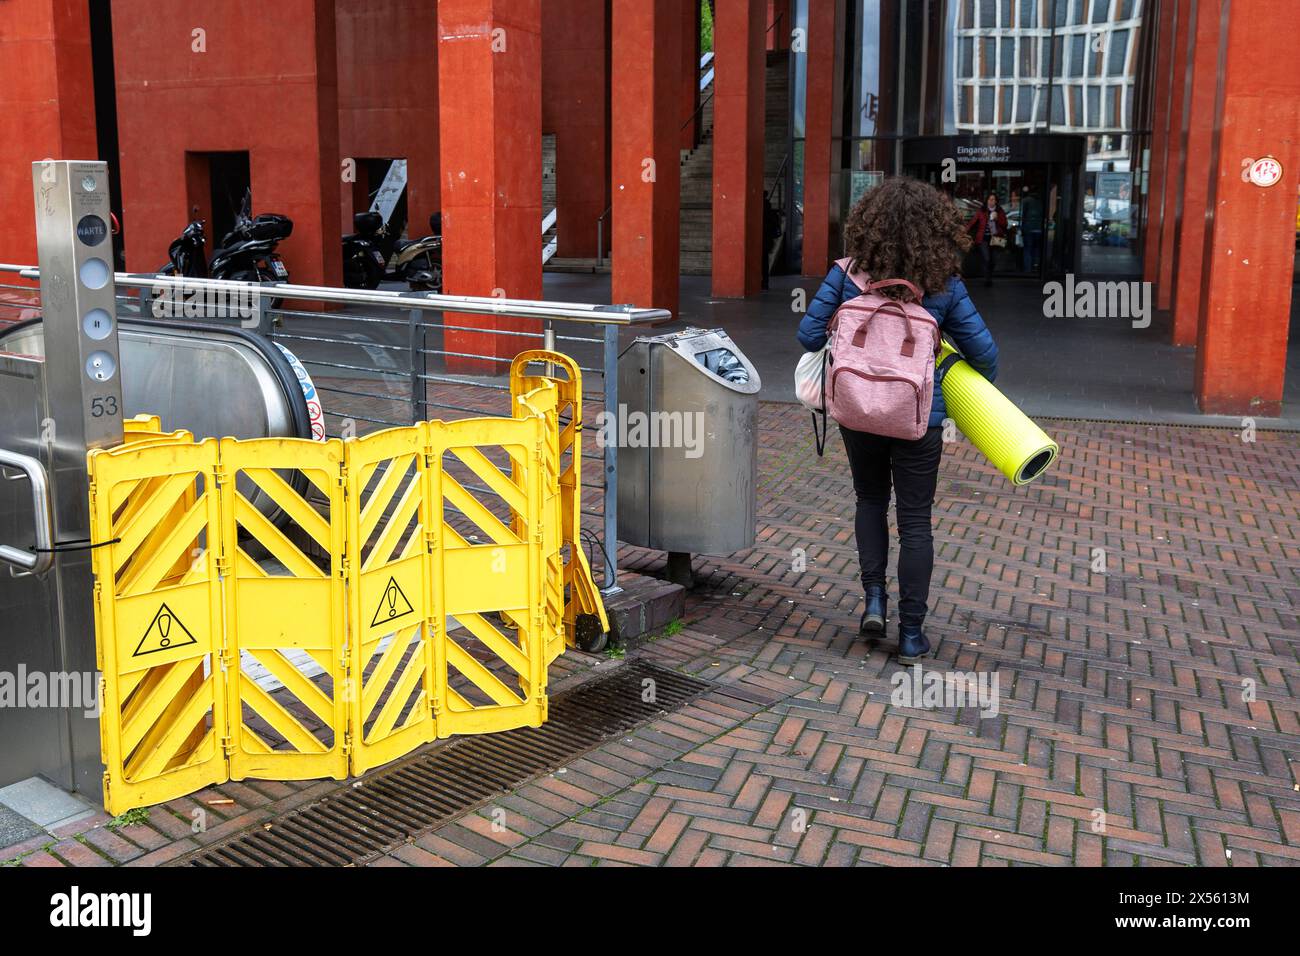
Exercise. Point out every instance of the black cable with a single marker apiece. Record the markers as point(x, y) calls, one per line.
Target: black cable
point(81, 544)
point(593, 539)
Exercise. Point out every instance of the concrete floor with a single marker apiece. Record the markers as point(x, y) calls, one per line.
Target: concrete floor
point(1070, 368)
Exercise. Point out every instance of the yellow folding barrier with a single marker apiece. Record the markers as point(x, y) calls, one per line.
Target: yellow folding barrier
point(584, 615)
point(290, 609)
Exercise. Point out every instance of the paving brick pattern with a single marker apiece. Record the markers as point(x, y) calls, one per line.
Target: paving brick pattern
point(1148, 711)
point(1138, 606)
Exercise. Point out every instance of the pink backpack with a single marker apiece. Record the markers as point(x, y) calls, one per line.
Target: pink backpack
point(880, 372)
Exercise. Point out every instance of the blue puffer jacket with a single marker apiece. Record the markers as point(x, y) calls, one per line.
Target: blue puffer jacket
point(952, 309)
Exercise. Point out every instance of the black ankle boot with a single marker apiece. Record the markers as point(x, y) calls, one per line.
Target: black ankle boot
point(873, 618)
point(913, 645)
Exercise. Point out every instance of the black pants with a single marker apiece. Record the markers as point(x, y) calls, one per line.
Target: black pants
point(986, 253)
point(913, 467)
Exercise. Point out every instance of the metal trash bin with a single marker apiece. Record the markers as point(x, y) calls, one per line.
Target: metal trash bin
point(688, 425)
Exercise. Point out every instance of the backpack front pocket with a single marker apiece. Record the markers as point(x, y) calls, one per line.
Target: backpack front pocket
point(882, 403)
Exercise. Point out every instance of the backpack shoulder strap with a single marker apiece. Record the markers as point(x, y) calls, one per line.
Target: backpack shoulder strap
point(856, 276)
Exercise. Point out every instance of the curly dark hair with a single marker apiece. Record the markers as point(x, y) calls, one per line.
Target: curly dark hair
point(906, 229)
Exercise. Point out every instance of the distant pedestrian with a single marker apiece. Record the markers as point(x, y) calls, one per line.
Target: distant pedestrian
point(901, 229)
point(1031, 229)
point(989, 226)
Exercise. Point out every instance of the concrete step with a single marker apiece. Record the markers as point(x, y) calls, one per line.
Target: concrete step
point(644, 606)
point(587, 266)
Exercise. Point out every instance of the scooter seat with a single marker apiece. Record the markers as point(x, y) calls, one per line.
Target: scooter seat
point(401, 244)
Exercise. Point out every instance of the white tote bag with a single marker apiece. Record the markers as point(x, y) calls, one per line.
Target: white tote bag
point(810, 389)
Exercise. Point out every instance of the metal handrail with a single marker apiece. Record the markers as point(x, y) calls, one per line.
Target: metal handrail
point(600, 235)
point(698, 110)
point(41, 558)
point(777, 181)
point(610, 318)
point(423, 301)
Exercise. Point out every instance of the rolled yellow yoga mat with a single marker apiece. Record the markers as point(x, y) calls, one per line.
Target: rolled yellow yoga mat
point(1008, 438)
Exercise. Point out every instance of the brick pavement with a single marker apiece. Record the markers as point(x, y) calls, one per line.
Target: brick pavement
point(1147, 713)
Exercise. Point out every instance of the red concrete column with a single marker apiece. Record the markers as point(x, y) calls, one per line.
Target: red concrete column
point(255, 79)
point(1187, 305)
point(778, 25)
point(690, 72)
point(738, 147)
point(575, 109)
point(490, 95)
point(1176, 155)
point(822, 125)
point(47, 101)
point(388, 97)
point(1250, 251)
point(1160, 137)
point(645, 158)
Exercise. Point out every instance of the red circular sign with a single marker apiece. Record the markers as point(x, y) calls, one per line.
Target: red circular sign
point(1266, 172)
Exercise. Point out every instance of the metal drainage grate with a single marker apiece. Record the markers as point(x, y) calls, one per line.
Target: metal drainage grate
point(388, 807)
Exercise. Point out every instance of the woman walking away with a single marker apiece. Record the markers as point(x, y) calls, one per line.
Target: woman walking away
point(902, 229)
point(989, 225)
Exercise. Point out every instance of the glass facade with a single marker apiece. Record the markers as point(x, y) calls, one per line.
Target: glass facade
point(999, 69)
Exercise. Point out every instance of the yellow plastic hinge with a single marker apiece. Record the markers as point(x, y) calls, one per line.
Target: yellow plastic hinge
point(347, 743)
point(220, 473)
point(228, 745)
point(435, 706)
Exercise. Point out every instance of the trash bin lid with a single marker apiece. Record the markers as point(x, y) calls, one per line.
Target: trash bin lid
point(715, 354)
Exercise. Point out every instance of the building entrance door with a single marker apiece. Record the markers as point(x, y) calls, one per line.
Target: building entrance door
point(1035, 179)
point(1031, 196)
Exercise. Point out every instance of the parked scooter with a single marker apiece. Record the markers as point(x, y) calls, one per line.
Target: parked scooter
point(247, 253)
point(366, 251)
point(419, 261)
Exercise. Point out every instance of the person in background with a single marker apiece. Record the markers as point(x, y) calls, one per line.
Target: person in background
point(902, 229)
point(989, 226)
point(1031, 229)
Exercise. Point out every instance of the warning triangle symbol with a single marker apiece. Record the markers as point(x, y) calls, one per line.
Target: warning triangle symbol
point(392, 605)
point(165, 633)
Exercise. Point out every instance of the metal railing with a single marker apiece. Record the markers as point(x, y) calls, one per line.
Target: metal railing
point(388, 358)
point(600, 235)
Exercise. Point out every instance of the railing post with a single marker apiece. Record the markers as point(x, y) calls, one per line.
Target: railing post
point(610, 365)
point(419, 397)
point(265, 326)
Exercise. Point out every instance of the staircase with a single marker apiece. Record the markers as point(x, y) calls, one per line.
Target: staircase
point(776, 146)
point(696, 236)
point(696, 220)
point(549, 240)
point(697, 166)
